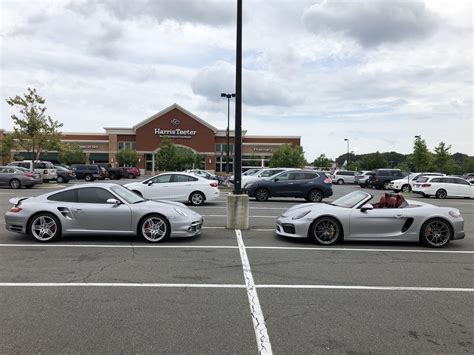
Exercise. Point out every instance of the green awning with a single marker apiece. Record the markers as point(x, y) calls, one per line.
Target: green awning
point(99, 157)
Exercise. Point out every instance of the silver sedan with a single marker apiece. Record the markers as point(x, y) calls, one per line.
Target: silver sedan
point(352, 217)
point(100, 209)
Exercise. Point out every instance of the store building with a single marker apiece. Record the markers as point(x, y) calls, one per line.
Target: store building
point(185, 130)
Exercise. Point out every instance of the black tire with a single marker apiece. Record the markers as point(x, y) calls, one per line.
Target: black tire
point(362, 186)
point(131, 176)
point(441, 193)
point(60, 180)
point(197, 198)
point(340, 182)
point(148, 232)
point(138, 193)
point(15, 184)
point(88, 177)
point(436, 233)
point(46, 181)
point(262, 194)
point(406, 188)
point(386, 185)
point(315, 195)
point(325, 231)
point(113, 176)
point(41, 224)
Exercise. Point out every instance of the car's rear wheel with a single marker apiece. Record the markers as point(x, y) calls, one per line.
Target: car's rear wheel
point(326, 231)
point(131, 176)
point(340, 182)
point(315, 196)
point(154, 228)
point(15, 184)
point(441, 193)
point(60, 180)
point(262, 194)
point(197, 198)
point(113, 176)
point(406, 188)
point(88, 177)
point(44, 227)
point(436, 233)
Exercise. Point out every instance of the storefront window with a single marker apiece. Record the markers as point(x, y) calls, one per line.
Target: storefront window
point(126, 145)
point(221, 164)
point(222, 148)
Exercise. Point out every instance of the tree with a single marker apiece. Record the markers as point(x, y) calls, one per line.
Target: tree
point(443, 162)
point(6, 146)
point(322, 162)
point(173, 158)
point(34, 131)
point(288, 156)
point(373, 161)
point(421, 157)
point(71, 154)
point(127, 157)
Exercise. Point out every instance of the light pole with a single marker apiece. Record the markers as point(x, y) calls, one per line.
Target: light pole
point(347, 140)
point(228, 96)
point(238, 105)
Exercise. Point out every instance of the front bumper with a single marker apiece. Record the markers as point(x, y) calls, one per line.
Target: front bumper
point(187, 227)
point(458, 229)
point(292, 228)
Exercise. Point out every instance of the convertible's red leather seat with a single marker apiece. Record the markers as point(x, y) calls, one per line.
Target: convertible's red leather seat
point(392, 202)
point(401, 202)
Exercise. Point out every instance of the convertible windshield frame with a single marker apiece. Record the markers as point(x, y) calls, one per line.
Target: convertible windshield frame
point(353, 199)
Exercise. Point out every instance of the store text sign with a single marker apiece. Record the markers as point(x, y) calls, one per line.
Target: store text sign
point(175, 133)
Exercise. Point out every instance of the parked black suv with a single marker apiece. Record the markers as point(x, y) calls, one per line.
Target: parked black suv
point(89, 172)
point(309, 184)
point(381, 178)
point(114, 173)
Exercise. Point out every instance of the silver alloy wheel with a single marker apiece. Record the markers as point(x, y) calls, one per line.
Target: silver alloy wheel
point(315, 196)
point(406, 188)
point(197, 198)
point(44, 228)
point(154, 229)
point(15, 184)
point(441, 194)
point(437, 233)
point(60, 180)
point(261, 194)
point(340, 182)
point(326, 231)
point(88, 177)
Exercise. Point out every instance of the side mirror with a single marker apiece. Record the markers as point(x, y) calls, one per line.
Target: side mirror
point(113, 201)
point(366, 208)
point(149, 183)
point(276, 179)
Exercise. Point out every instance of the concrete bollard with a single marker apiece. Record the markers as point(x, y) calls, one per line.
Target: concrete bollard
point(237, 211)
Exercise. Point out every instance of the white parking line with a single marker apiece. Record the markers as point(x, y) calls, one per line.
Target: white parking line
point(370, 288)
point(369, 250)
point(260, 328)
point(224, 215)
point(114, 284)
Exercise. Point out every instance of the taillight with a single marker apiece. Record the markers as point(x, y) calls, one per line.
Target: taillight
point(30, 174)
point(426, 185)
point(15, 209)
point(327, 181)
point(213, 184)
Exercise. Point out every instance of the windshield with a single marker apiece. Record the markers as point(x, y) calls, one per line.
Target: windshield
point(350, 200)
point(251, 172)
point(126, 194)
point(413, 176)
point(268, 173)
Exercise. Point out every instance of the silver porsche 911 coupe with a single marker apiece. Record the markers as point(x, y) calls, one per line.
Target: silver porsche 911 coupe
point(100, 209)
point(393, 218)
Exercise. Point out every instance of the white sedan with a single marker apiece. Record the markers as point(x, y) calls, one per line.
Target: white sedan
point(181, 187)
point(443, 186)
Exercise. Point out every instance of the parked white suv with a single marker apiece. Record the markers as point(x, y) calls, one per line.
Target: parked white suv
point(406, 184)
point(344, 177)
point(46, 169)
point(443, 186)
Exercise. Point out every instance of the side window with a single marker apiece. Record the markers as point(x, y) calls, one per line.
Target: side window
point(40, 165)
point(162, 179)
point(310, 176)
point(65, 196)
point(461, 182)
point(3, 170)
point(284, 176)
point(182, 178)
point(436, 180)
point(383, 173)
point(25, 165)
point(93, 195)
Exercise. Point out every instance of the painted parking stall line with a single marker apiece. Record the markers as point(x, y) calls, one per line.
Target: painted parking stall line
point(116, 284)
point(369, 288)
point(260, 327)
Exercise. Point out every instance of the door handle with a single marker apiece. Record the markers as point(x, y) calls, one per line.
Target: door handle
point(398, 216)
point(78, 210)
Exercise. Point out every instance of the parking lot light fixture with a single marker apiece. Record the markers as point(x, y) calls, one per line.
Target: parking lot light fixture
point(228, 96)
point(347, 160)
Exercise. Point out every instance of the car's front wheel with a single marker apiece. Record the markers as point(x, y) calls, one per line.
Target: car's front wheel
point(197, 198)
point(315, 196)
point(60, 180)
point(436, 233)
point(44, 227)
point(441, 194)
point(262, 194)
point(406, 188)
point(340, 182)
point(88, 177)
point(131, 176)
point(15, 184)
point(326, 231)
point(154, 228)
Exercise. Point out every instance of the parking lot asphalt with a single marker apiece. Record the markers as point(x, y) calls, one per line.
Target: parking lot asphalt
point(210, 294)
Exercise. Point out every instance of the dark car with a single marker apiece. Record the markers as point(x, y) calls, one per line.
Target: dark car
point(114, 173)
point(64, 175)
point(89, 172)
point(308, 184)
point(381, 178)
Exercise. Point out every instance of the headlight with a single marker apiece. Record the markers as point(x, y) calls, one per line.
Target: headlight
point(455, 213)
point(301, 215)
point(180, 212)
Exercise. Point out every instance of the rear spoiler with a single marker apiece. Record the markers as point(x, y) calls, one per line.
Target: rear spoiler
point(16, 200)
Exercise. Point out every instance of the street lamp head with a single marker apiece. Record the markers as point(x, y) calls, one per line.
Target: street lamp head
point(418, 137)
point(223, 94)
point(233, 95)
point(345, 139)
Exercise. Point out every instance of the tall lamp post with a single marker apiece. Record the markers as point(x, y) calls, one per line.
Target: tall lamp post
point(347, 140)
point(228, 96)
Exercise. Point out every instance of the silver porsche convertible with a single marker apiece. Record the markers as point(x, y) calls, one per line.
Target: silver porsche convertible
point(352, 217)
point(100, 209)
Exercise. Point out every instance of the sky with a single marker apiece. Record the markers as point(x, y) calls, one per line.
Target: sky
point(375, 72)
